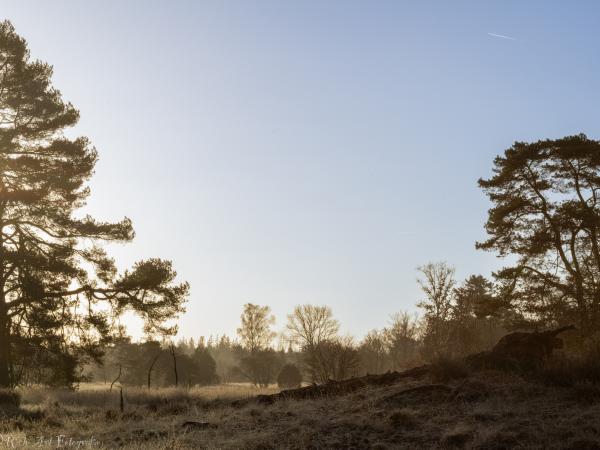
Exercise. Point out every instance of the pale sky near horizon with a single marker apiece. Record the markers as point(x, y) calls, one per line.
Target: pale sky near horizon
point(310, 152)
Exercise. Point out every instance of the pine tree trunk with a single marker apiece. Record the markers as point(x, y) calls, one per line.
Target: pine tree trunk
point(5, 378)
point(4, 343)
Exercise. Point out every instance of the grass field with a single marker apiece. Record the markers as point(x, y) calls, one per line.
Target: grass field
point(484, 410)
point(100, 395)
point(90, 417)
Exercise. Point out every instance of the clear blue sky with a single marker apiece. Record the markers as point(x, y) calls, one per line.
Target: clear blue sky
point(311, 152)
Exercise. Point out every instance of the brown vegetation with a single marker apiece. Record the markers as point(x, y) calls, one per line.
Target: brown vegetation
point(469, 409)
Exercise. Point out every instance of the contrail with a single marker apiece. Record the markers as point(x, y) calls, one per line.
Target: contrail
point(501, 36)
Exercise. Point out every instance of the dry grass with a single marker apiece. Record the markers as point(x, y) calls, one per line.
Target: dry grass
point(95, 396)
point(488, 410)
point(9, 397)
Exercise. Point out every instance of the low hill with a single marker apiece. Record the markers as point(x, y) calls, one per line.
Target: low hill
point(444, 406)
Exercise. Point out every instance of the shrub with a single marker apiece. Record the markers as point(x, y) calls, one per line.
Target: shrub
point(260, 367)
point(289, 377)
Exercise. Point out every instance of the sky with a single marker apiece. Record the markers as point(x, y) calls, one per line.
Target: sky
point(295, 152)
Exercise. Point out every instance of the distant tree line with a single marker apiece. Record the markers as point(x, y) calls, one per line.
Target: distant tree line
point(312, 350)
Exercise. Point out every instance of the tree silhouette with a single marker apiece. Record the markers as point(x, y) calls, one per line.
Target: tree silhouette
point(477, 316)
point(373, 351)
point(261, 364)
point(326, 355)
point(546, 211)
point(206, 366)
point(437, 283)
point(58, 288)
point(401, 339)
point(474, 298)
point(309, 325)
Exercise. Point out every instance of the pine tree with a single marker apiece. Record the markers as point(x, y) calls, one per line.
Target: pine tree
point(59, 290)
point(546, 213)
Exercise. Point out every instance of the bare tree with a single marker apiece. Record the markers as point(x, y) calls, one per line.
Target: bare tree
point(315, 330)
point(437, 283)
point(261, 365)
point(402, 340)
point(373, 351)
point(309, 325)
point(344, 358)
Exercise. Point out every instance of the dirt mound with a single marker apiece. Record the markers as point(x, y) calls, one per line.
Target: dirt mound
point(471, 391)
point(334, 388)
point(419, 394)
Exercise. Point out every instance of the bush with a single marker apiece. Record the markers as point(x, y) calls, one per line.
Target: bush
point(289, 377)
point(260, 367)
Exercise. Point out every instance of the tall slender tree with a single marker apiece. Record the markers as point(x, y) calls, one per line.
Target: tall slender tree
point(261, 363)
point(58, 287)
point(255, 330)
point(437, 283)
